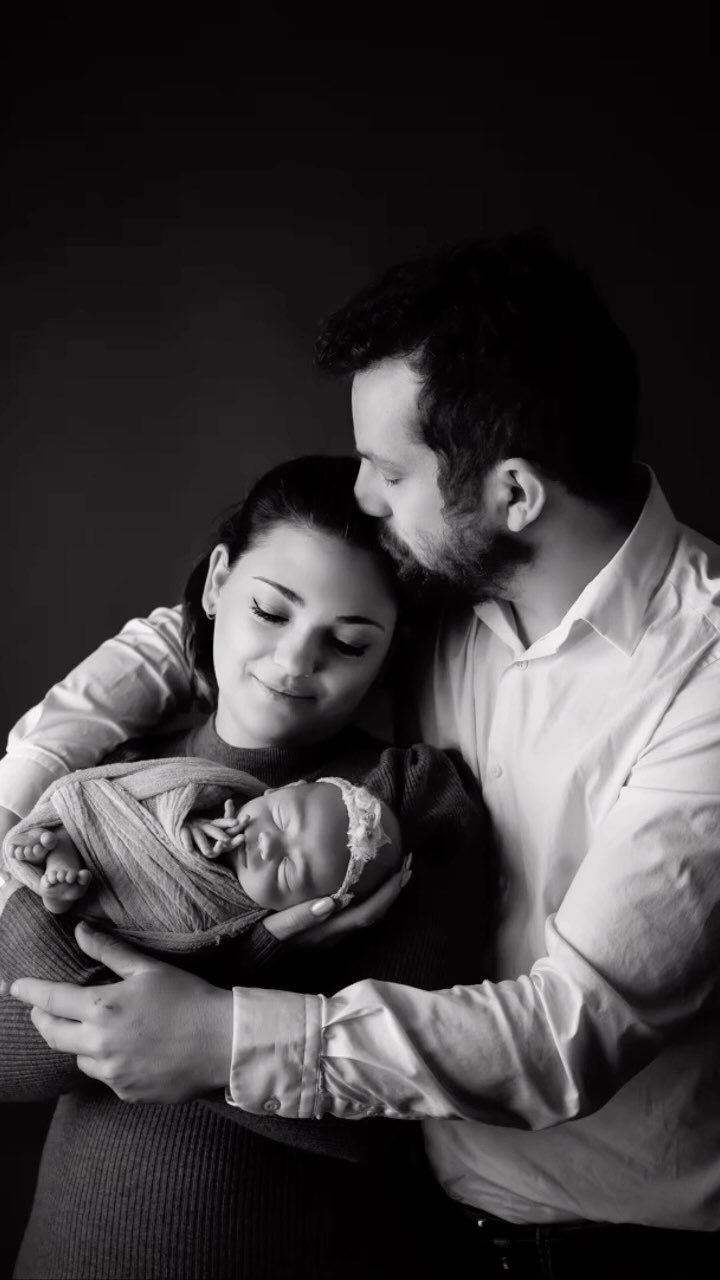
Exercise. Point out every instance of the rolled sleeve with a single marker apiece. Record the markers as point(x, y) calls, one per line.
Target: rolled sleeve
point(126, 687)
point(23, 780)
point(277, 1039)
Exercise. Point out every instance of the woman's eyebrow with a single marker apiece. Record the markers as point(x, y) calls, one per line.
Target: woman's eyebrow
point(284, 591)
point(294, 598)
point(359, 617)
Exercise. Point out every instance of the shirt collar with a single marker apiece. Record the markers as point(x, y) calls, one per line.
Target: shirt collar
point(614, 603)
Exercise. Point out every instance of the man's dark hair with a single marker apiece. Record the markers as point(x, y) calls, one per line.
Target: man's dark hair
point(518, 357)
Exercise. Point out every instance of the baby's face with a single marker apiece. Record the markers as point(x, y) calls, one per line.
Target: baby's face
point(295, 845)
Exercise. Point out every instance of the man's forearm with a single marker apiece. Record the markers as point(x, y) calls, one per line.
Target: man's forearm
point(534, 1052)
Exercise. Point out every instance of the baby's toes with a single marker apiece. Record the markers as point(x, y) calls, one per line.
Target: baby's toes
point(37, 844)
point(59, 897)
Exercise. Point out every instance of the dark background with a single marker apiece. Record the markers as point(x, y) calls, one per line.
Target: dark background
point(180, 212)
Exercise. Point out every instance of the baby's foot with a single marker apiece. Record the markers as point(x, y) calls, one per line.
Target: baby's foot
point(61, 886)
point(37, 843)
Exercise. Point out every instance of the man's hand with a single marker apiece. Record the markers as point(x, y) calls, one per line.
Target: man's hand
point(159, 1035)
point(301, 921)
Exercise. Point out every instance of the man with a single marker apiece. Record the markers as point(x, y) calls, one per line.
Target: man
point(494, 403)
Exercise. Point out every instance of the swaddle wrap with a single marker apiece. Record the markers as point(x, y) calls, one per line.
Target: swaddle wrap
point(125, 821)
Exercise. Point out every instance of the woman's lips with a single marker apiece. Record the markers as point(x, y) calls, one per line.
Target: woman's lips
point(293, 694)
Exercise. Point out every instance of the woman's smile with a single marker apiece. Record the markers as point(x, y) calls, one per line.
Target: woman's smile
point(293, 692)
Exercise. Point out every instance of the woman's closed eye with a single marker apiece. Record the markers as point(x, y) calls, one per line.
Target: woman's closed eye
point(275, 618)
point(349, 650)
point(279, 619)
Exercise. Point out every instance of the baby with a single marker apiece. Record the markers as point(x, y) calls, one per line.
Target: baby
point(141, 840)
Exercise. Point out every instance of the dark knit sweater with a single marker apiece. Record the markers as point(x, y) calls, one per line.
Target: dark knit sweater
point(202, 1189)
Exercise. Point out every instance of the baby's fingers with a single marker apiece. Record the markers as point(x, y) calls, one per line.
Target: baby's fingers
point(212, 829)
point(186, 839)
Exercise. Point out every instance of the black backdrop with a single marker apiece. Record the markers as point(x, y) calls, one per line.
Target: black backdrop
point(177, 217)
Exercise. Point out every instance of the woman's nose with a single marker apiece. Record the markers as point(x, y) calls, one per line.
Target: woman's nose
point(297, 657)
point(368, 493)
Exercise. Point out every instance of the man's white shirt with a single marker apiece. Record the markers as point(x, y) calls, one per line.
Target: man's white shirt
point(583, 1082)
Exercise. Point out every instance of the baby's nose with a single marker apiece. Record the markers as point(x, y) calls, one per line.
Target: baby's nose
point(269, 844)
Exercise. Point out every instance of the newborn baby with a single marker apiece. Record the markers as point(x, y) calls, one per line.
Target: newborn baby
point(180, 846)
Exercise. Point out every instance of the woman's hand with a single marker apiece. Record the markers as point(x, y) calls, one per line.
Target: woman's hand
point(301, 921)
point(158, 1035)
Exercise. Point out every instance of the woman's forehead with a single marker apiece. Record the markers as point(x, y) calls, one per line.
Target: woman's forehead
point(314, 564)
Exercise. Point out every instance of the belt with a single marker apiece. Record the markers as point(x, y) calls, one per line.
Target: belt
point(500, 1231)
point(543, 1238)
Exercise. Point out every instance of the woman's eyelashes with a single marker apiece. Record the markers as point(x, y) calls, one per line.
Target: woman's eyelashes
point(350, 650)
point(278, 619)
point(275, 618)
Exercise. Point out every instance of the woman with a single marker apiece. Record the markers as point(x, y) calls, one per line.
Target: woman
point(289, 621)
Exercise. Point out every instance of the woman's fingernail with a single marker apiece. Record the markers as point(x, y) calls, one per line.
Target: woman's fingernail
point(323, 907)
point(406, 875)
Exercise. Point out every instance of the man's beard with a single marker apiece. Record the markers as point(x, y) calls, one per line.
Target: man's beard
point(472, 564)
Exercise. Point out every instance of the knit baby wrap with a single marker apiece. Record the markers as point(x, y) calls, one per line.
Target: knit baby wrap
point(125, 820)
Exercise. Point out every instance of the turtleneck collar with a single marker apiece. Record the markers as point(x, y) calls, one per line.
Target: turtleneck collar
point(275, 765)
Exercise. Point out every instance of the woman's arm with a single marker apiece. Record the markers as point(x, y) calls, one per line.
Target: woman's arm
point(127, 686)
point(439, 931)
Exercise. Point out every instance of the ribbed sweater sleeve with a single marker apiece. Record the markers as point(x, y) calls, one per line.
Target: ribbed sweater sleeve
point(35, 944)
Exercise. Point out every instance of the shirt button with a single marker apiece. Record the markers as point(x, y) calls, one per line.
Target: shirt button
point(522, 664)
point(272, 1104)
point(497, 771)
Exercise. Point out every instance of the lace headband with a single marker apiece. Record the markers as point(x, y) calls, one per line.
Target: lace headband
point(365, 833)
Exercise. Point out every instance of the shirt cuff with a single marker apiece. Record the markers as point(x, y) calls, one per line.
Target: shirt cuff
point(22, 782)
point(277, 1039)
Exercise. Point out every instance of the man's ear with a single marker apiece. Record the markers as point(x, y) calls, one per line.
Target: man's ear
point(215, 579)
point(518, 494)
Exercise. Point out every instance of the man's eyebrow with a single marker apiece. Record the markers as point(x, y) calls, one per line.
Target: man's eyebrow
point(294, 598)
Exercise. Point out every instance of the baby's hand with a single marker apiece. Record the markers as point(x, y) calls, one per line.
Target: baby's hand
point(225, 833)
point(37, 843)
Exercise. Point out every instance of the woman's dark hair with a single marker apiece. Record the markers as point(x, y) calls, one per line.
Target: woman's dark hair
point(312, 492)
point(518, 357)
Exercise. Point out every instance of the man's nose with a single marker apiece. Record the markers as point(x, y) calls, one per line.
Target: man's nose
point(368, 494)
